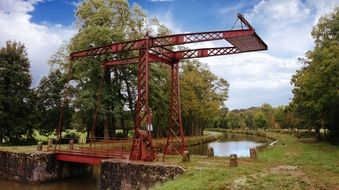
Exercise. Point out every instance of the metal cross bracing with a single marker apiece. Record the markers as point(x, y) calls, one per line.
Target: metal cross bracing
point(157, 49)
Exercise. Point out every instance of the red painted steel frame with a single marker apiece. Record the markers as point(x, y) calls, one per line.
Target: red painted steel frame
point(155, 49)
point(175, 130)
point(85, 159)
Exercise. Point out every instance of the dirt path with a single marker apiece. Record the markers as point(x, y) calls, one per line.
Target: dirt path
point(277, 177)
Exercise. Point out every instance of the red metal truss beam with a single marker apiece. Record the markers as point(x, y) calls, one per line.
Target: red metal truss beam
point(170, 40)
point(112, 48)
point(177, 55)
point(180, 39)
point(175, 130)
point(125, 61)
point(135, 60)
point(205, 52)
point(238, 38)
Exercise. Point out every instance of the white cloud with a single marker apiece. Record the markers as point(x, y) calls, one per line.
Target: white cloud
point(17, 6)
point(167, 19)
point(228, 9)
point(40, 40)
point(322, 7)
point(286, 25)
point(255, 78)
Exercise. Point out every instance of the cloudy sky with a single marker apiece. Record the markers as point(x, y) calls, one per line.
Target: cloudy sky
point(255, 78)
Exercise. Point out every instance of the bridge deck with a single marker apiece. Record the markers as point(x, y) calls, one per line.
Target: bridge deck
point(87, 158)
point(92, 152)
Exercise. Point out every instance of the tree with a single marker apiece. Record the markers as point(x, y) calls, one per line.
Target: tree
point(269, 115)
point(49, 93)
point(202, 96)
point(102, 22)
point(248, 118)
point(233, 120)
point(99, 23)
point(16, 97)
point(316, 97)
point(221, 121)
point(260, 120)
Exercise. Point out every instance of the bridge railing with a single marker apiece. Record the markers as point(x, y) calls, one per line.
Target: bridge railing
point(98, 147)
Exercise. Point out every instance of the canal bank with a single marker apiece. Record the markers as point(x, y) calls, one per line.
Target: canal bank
point(37, 167)
point(288, 164)
point(23, 167)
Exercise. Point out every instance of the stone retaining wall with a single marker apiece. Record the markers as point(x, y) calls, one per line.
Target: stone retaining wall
point(126, 175)
point(37, 167)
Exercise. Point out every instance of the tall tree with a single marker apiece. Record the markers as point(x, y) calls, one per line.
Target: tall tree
point(16, 97)
point(202, 96)
point(50, 96)
point(51, 93)
point(260, 120)
point(316, 95)
point(102, 22)
point(269, 115)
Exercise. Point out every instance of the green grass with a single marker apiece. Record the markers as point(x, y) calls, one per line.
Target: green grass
point(315, 166)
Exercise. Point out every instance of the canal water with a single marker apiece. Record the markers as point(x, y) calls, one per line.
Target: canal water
point(231, 144)
point(89, 182)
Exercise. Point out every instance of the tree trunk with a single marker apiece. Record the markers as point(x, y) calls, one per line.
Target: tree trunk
point(130, 98)
point(122, 122)
point(202, 130)
point(113, 126)
point(106, 131)
point(317, 132)
point(192, 128)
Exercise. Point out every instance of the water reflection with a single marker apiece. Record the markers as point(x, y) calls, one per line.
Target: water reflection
point(231, 144)
point(88, 182)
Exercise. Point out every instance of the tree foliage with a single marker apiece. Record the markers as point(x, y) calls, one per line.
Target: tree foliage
point(102, 22)
point(16, 97)
point(316, 95)
point(202, 96)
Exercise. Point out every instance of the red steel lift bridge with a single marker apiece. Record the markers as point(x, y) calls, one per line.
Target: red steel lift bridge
point(160, 50)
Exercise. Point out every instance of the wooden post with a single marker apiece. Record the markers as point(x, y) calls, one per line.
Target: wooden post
point(71, 144)
point(210, 152)
point(233, 160)
point(186, 156)
point(253, 153)
point(39, 147)
point(49, 144)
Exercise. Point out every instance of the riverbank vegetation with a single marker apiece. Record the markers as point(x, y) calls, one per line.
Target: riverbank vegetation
point(288, 164)
point(74, 89)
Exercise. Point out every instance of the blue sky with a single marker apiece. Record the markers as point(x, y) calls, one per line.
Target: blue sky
point(255, 78)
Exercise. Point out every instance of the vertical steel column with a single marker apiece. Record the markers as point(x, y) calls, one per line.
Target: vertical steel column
point(142, 108)
point(175, 131)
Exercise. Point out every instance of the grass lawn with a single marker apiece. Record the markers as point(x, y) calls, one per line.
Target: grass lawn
point(289, 164)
